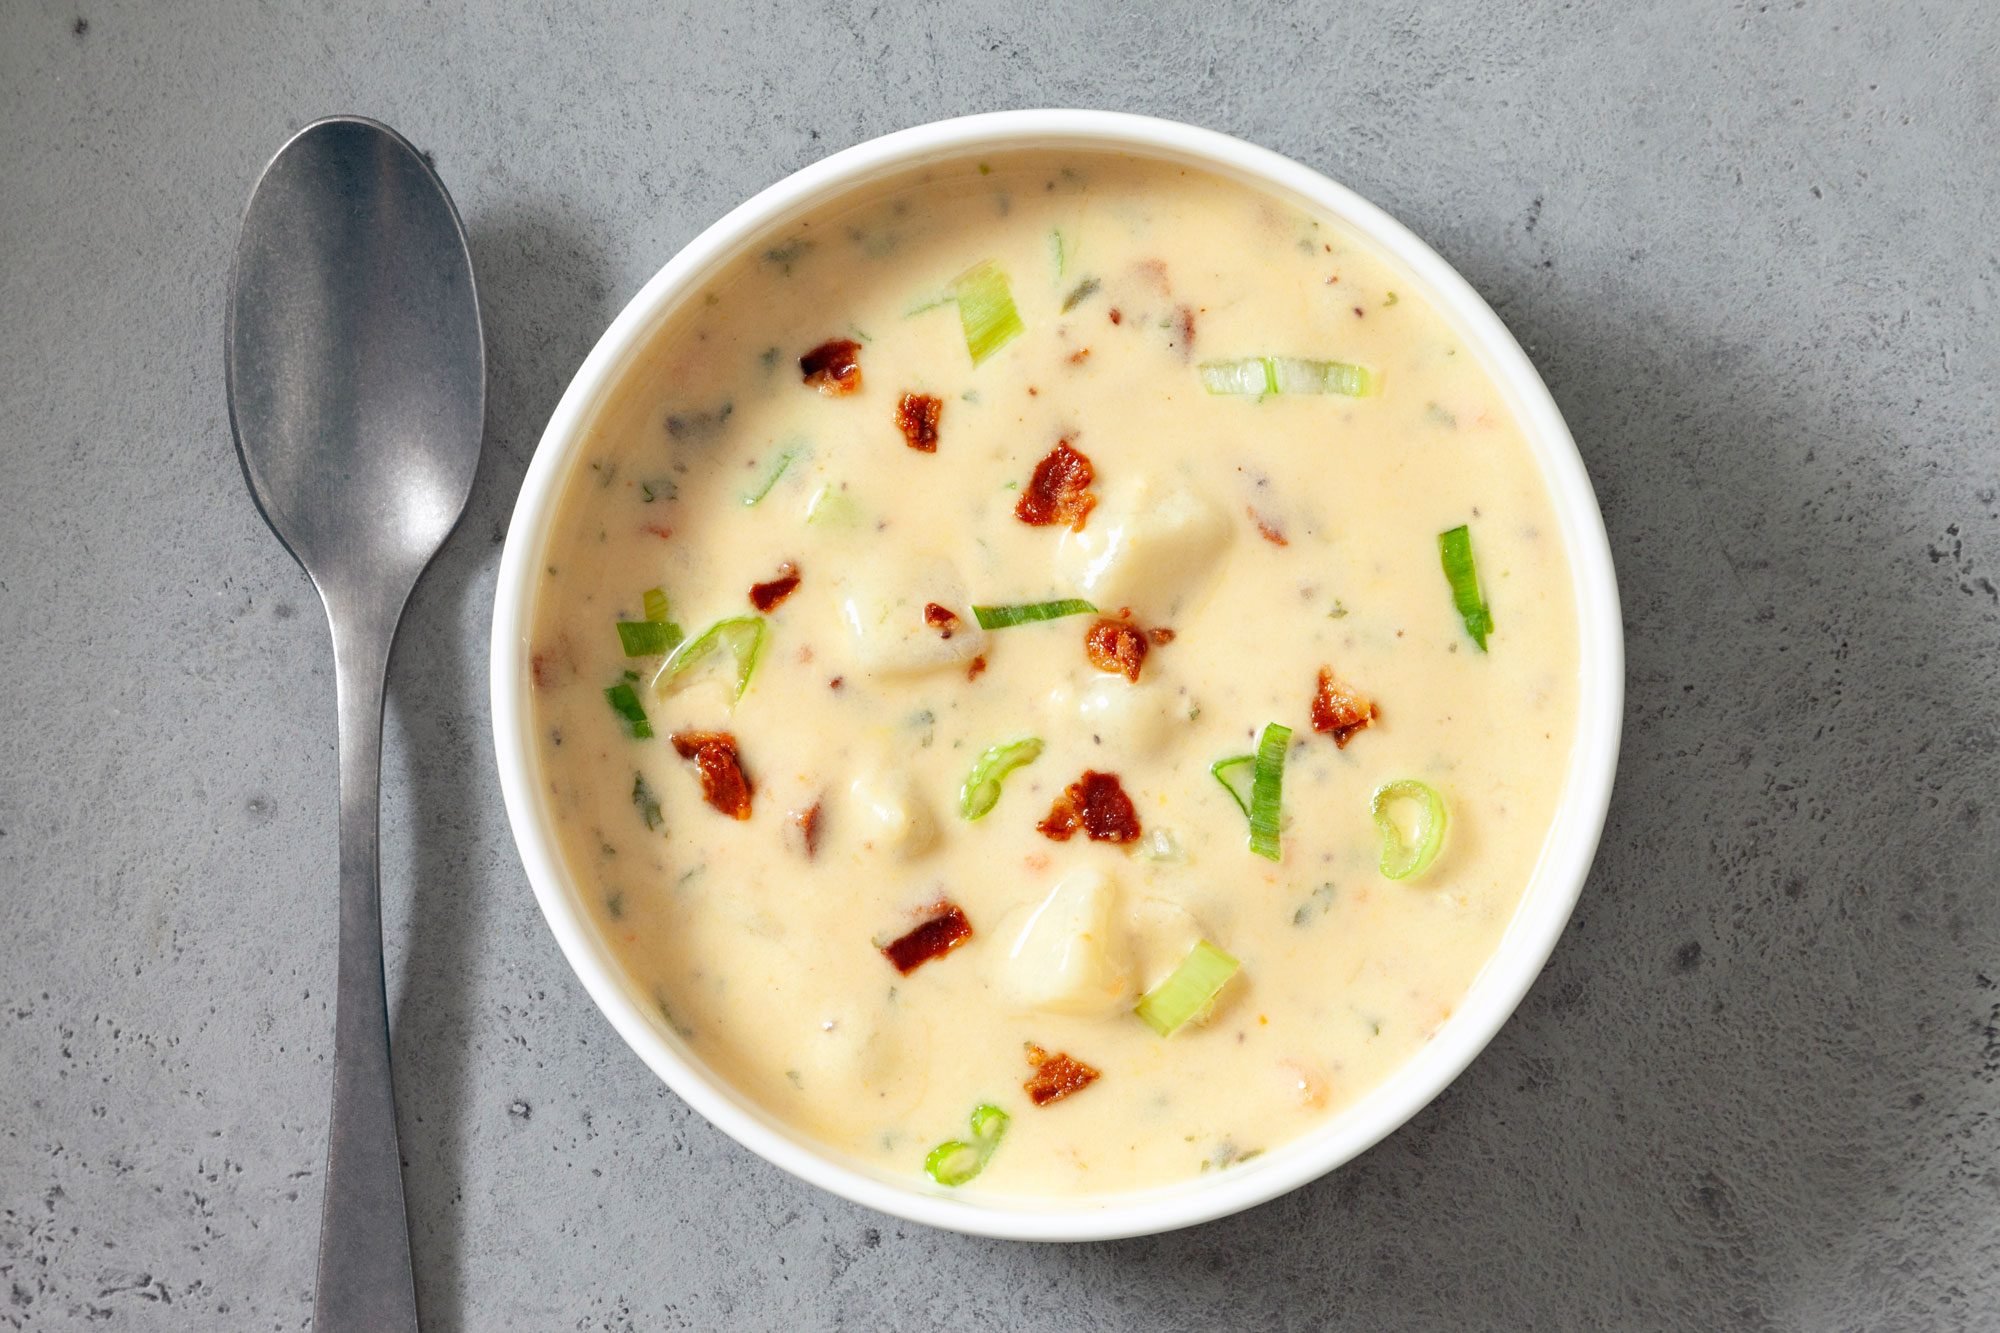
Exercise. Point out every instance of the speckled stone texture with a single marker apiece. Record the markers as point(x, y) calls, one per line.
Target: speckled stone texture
point(1751, 247)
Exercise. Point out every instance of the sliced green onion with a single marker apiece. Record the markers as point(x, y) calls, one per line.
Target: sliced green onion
point(1160, 844)
point(1455, 549)
point(653, 635)
point(989, 1122)
point(985, 310)
point(739, 638)
point(647, 638)
point(1255, 375)
point(955, 1161)
point(1235, 780)
point(626, 704)
point(981, 791)
point(1267, 789)
point(1191, 989)
point(1263, 375)
point(1000, 617)
point(1403, 858)
point(783, 461)
point(834, 508)
point(1295, 375)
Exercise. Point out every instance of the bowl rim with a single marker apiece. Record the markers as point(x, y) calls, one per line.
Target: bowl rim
point(1531, 933)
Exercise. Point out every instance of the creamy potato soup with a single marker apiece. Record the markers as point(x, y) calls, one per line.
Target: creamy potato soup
point(1053, 675)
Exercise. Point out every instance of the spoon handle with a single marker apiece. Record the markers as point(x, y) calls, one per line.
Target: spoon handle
point(365, 1277)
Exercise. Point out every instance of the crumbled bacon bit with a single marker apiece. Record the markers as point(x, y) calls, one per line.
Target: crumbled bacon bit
point(1059, 491)
point(1359, 313)
point(547, 666)
point(1339, 710)
point(688, 743)
point(975, 667)
point(1056, 1076)
point(833, 367)
point(1096, 804)
point(940, 618)
point(917, 417)
point(1116, 317)
point(944, 931)
point(664, 534)
point(1114, 646)
point(1184, 324)
point(1161, 637)
point(807, 823)
point(765, 596)
point(836, 682)
point(1267, 530)
point(723, 784)
point(1079, 356)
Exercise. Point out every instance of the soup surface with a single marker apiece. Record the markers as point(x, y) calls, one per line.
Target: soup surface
point(922, 882)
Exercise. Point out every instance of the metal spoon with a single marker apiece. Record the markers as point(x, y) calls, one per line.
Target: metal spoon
point(357, 391)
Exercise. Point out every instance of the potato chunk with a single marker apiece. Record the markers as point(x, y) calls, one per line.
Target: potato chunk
point(1161, 933)
point(1151, 547)
point(1131, 721)
point(884, 607)
point(1070, 955)
point(891, 816)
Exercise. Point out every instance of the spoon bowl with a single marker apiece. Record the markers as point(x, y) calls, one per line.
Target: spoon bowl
point(356, 365)
point(356, 370)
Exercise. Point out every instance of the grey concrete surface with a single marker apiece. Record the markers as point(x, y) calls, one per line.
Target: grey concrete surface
point(1751, 247)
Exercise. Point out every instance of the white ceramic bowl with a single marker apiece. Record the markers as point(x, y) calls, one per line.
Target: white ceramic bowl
point(1558, 876)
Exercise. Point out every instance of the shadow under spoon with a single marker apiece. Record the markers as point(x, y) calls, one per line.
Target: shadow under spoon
point(357, 393)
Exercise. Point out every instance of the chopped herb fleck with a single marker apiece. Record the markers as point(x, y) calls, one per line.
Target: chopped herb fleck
point(1316, 905)
point(648, 804)
point(685, 1032)
point(1080, 293)
point(698, 425)
point(788, 254)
